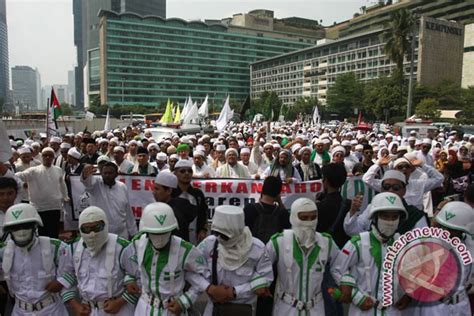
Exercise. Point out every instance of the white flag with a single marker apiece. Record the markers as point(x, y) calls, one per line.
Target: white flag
point(316, 118)
point(192, 115)
point(5, 149)
point(89, 116)
point(107, 122)
point(225, 116)
point(204, 108)
point(187, 106)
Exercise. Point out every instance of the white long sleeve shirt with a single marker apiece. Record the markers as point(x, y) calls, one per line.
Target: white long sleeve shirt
point(46, 187)
point(114, 201)
point(416, 187)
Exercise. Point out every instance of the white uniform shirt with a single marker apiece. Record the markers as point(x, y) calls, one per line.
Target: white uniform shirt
point(114, 201)
point(257, 272)
point(46, 187)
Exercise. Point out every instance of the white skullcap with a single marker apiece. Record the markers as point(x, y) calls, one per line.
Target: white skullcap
point(24, 150)
point(201, 148)
point(303, 149)
point(183, 163)
point(354, 142)
point(119, 148)
point(161, 157)
point(220, 147)
point(198, 153)
point(167, 179)
point(427, 141)
point(295, 147)
point(388, 135)
point(359, 147)
point(153, 145)
point(276, 146)
point(55, 139)
point(228, 220)
point(245, 150)
point(103, 158)
point(35, 144)
point(47, 149)
point(326, 141)
point(400, 161)
point(267, 145)
point(394, 174)
point(74, 153)
point(92, 214)
point(174, 156)
point(65, 146)
point(411, 138)
point(418, 142)
point(133, 142)
point(412, 132)
point(228, 151)
point(338, 149)
point(103, 140)
point(317, 141)
point(346, 143)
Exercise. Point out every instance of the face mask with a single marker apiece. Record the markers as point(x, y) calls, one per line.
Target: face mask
point(22, 237)
point(229, 243)
point(159, 240)
point(305, 232)
point(94, 241)
point(387, 228)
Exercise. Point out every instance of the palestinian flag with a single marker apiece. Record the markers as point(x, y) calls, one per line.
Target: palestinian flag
point(54, 104)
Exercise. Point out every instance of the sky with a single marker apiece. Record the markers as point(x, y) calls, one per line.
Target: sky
point(41, 32)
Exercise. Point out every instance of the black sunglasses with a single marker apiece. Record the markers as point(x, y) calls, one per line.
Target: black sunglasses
point(217, 234)
point(96, 228)
point(394, 187)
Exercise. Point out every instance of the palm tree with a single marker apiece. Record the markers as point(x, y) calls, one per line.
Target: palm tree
point(397, 36)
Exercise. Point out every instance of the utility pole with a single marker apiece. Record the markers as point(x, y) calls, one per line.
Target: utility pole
point(412, 65)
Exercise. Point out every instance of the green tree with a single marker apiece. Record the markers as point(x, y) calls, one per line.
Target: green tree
point(346, 95)
point(269, 104)
point(66, 109)
point(303, 105)
point(428, 109)
point(397, 36)
point(382, 98)
point(467, 114)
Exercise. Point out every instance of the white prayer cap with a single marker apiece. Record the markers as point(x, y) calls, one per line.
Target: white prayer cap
point(418, 142)
point(427, 141)
point(74, 153)
point(65, 146)
point(359, 147)
point(400, 161)
point(167, 179)
point(24, 150)
point(183, 163)
point(220, 147)
point(241, 143)
point(110, 135)
point(161, 157)
point(47, 149)
point(174, 156)
point(245, 150)
point(201, 148)
point(132, 142)
point(412, 132)
point(119, 148)
point(153, 145)
point(338, 149)
point(303, 149)
point(326, 141)
point(276, 146)
point(198, 153)
point(411, 138)
point(103, 140)
point(228, 220)
point(267, 145)
point(28, 142)
point(35, 144)
point(317, 141)
point(103, 158)
point(388, 135)
point(395, 174)
point(295, 147)
point(114, 140)
point(230, 150)
point(346, 143)
point(55, 139)
point(354, 142)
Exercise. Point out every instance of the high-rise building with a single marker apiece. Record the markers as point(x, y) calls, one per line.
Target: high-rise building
point(26, 84)
point(468, 62)
point(4, 67)
point(146, 60)
point(71, 87)
point(86, 28)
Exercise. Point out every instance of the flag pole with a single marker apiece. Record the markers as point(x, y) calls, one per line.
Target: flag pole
point(47, 119)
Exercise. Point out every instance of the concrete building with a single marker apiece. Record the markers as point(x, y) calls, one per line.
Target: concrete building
point(71, 87)
point(146, 60)
point(86, 28)
point(4, 66)
point(376, 16)
point(312, 71)
point(468, 63)
point(26, 86)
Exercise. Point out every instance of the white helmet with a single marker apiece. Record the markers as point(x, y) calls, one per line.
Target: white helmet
point(158, 218)
point(458, 216)
point(387, 202)
point(21, 213)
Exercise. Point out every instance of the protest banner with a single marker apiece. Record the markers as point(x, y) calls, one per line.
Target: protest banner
point(238, 192)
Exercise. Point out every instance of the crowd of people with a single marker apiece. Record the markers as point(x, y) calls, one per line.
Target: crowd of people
point(318, 256)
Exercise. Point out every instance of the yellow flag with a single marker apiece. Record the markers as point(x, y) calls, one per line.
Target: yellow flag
point(177, 117)
point(168, 116)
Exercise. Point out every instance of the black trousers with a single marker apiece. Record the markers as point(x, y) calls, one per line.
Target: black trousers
point(51, 223)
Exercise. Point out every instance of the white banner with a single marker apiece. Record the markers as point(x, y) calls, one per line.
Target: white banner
point(238, 192)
